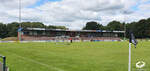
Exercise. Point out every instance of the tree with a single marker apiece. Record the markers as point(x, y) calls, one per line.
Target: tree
point(56, 27)
point(115, 25)
point(140, 29)
point(32, 25)
point(148, 27)
point(93, 26)
point(12, 29)
point(3, 30)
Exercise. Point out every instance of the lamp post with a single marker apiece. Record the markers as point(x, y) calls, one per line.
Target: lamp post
point(124, 31)
point(19, 29)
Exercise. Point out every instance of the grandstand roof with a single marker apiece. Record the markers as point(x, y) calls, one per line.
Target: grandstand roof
point(43, 29)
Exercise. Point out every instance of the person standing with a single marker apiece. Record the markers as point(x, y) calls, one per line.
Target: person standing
point(70, 40)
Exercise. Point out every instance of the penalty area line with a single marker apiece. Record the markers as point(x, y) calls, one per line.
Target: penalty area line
point(37, 62)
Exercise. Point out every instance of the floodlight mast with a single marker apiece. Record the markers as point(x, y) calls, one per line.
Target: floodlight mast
point(124, 27)
point(19, 30)
point(20, 12)
point(124, 31)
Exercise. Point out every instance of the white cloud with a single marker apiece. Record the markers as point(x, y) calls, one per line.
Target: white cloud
point(144, 7)
point(74, 13)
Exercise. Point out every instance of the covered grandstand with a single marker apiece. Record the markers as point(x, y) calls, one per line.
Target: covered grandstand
point(40, 34)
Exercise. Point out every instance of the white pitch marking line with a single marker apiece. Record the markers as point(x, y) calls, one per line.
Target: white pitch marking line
point(37, 62)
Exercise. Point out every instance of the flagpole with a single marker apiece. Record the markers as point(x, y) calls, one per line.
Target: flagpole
point(129, 66)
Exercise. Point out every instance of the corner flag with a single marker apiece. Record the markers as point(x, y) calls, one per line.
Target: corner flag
point(132, 39)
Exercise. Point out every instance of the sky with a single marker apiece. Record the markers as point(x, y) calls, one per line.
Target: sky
point(74, 13)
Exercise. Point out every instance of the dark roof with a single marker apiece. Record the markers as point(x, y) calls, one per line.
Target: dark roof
point(43, 29)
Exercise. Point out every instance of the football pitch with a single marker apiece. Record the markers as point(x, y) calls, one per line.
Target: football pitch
point(79, 56)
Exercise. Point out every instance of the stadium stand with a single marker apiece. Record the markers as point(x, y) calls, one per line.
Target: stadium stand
point(41, 34)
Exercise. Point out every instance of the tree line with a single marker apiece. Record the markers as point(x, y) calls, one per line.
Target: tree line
point(141, 29)
point(10, 29)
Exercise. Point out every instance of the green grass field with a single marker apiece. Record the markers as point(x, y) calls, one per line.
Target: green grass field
point(83, 56)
